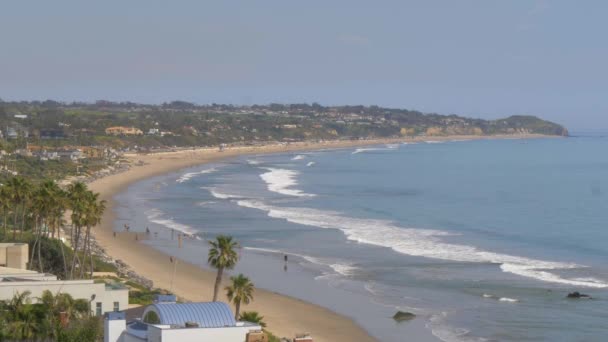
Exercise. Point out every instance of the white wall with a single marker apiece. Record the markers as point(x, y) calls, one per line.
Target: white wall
point(78, 289)
point(229, 334)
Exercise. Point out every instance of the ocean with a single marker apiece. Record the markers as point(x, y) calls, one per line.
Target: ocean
point(482, 240)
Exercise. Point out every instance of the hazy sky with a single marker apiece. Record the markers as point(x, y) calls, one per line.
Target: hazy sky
point(477, 58)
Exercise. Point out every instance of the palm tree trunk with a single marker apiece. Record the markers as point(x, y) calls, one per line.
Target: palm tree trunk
point(4, 226)
point(22, 220)
point(76, 237)
point(65, 264)
point(218, 280)
point(85, 247)
point(237, 310)
point(91, 256)
point(33, 251)
point(15, 224)
point(40, 257)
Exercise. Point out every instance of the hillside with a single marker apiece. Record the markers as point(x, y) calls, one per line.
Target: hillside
point(130, 125)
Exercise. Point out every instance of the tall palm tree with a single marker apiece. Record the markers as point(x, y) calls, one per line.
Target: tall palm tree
point(5, 206)
point(19, 189)
point(253, 317)
point(222, 255)
point(240, 291)
point(77, 194)
point(94, 213)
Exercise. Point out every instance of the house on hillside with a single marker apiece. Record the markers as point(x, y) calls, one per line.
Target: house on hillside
point(121, 130)
point(51, 133)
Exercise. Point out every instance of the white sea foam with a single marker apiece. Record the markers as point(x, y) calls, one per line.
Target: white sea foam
point(500, 299)
point(448, 333)
point(156, 216)
point(298, 157)
point(309, 164)
point(434, 141)
point(281, 181)
point(253, 162)
point(420, 242)
point(392, 146)
point(205, 203)
point(370, 149)
point(343, 269)
point(187, 176)
point(217, 194)
point(508, 300)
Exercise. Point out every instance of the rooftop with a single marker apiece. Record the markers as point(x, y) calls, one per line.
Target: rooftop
point(206, 315)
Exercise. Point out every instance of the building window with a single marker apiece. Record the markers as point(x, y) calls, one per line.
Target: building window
point(98, 309)
point(116, 306)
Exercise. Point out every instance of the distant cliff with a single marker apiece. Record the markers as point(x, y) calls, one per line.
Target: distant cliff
point(526, 124)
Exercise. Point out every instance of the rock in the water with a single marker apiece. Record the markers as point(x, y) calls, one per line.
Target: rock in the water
point(577, 295)
point(401, 316)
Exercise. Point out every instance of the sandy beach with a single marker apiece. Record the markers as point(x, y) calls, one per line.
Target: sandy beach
point(284, 315)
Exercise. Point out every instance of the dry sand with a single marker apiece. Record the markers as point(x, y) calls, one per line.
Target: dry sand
point(284, 315)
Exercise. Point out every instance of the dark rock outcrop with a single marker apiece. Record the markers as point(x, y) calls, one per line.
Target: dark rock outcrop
point(401, 316)
point(577, 295)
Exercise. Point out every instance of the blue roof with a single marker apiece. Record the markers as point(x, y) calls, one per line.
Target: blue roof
point(207, 315)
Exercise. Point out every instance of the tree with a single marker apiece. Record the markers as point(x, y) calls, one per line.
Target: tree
point(19, 189)
point(240, 291)
point(253, 317)
point(5, 207)
point(222, 255)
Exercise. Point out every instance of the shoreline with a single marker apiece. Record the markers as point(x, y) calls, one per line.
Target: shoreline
point(285, 315)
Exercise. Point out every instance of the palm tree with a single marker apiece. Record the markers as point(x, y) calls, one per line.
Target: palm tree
point(222, 255)
point(19, 189)
point(5, 206)
point(94, 213)
point(253, 317)
point(240, 291)
point(77, 194)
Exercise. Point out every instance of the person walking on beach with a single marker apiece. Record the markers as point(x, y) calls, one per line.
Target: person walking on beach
point(147, 231)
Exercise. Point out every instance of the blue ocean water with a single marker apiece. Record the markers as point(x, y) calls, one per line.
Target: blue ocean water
point(481, 239)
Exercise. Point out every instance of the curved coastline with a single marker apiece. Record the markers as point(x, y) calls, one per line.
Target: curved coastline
point(285, 315)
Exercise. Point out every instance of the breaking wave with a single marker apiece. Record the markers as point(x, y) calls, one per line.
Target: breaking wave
point(187, 176)
point(298, 157)
point(156, 216)
point(217, 194)
point(421, 242)
point(371, 149)
point(281, 181)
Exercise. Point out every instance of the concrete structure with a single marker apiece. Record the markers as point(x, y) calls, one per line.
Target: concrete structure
point(14, 255)
point(180, 322)
point(15, 278)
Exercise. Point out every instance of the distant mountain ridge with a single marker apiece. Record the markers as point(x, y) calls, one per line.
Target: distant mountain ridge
point(180, 123)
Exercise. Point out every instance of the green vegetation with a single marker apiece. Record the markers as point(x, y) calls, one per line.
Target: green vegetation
point(185, 124)
point(52, 317)
point(240, 291)
point(222, 256)
point(35, 214)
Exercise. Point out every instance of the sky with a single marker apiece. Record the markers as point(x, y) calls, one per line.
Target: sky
point(483, 58)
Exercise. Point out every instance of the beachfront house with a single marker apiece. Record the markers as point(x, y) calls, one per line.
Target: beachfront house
point(168, 321)
point(15, 278)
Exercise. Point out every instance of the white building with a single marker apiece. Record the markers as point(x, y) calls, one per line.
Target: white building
point(15, 278)
point(181, 322)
